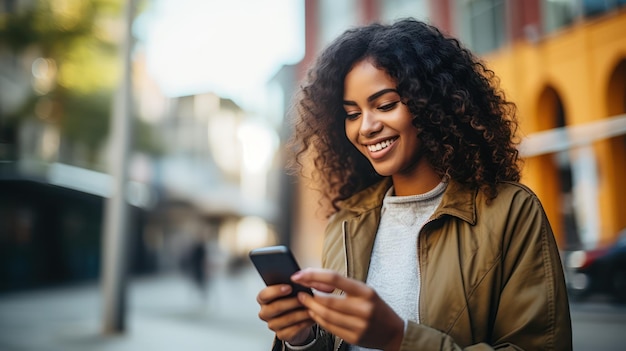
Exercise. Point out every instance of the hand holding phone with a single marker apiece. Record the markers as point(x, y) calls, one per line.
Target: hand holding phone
point(276, 265)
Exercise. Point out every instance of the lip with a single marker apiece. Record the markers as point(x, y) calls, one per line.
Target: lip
point(378, 154)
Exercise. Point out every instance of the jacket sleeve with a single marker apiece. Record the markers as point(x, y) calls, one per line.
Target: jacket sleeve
point(532, 309)
point(323, 342)
point(421, 337)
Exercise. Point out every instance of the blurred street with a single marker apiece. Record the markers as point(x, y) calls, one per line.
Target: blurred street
point(167, 313)
point(598, 324)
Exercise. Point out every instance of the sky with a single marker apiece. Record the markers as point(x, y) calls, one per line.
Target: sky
point(229, 47)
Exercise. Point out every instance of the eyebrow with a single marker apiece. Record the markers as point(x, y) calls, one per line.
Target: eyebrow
point(373, 96)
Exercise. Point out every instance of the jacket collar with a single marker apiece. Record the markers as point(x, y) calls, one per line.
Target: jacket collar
point(368, 198)
point(458, 200)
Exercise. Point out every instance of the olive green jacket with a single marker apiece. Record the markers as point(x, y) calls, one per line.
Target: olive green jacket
point(491, 275)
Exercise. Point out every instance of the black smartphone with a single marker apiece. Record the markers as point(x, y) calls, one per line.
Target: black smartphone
point(276, 264)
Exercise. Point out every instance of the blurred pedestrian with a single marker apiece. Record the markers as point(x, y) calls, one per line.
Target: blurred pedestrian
point(433, 244)
point(195, 266)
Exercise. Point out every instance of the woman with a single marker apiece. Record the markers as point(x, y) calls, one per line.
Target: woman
point(432, 243)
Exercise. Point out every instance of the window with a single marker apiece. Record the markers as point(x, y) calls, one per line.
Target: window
point(335, 18)
point(484, 23)
point(597, 7)
point(396, 9)
point(558, 14)
point(562, 13)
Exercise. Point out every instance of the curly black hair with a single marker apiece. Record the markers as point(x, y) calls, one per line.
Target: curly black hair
point(466, 125)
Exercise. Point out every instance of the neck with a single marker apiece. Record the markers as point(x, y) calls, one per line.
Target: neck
point(422, 180)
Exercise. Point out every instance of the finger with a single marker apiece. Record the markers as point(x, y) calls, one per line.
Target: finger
point(288, 320)
point(352, 329)
point(327, 278)
point(279, 307)
point(325, 288)
point(344, 304)
point(343, 318)
point(339, 309)
point(273, 292)
point(345, 331)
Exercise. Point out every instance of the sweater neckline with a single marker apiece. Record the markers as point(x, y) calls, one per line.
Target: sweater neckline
point(431, 194)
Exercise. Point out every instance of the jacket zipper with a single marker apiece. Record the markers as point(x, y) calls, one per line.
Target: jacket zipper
point(420, 264)
point(419, 275)
point(344, 232)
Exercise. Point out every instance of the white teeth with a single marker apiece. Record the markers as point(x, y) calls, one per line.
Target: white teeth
point(380, 146)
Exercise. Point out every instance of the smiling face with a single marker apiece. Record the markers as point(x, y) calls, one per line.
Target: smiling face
point(380, 126)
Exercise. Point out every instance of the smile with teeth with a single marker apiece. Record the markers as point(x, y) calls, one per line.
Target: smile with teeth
point(382, 145)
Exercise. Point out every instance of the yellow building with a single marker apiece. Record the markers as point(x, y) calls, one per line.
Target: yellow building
point(573, 80)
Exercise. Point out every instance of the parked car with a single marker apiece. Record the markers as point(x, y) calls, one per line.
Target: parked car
point(601, 270)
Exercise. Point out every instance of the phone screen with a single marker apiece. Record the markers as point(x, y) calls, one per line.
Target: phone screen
point(276, 264)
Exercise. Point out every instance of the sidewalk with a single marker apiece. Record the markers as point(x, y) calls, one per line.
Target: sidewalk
point(164, 313)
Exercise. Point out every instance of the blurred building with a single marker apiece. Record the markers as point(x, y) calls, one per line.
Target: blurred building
point(213, 179)
point(52, 188)
point(208, 174)
point(563, 62)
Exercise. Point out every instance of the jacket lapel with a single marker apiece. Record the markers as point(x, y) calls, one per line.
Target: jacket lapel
point(360, 230)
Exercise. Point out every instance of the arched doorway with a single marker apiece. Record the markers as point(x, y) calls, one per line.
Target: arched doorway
point(612, 154)
point(616, 94)
point(552, 172)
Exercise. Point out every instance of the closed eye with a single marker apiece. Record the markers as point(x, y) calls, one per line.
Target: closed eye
point(388, 107)
point(352, 116)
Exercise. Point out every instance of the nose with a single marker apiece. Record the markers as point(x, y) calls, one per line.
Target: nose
point(370, 124)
